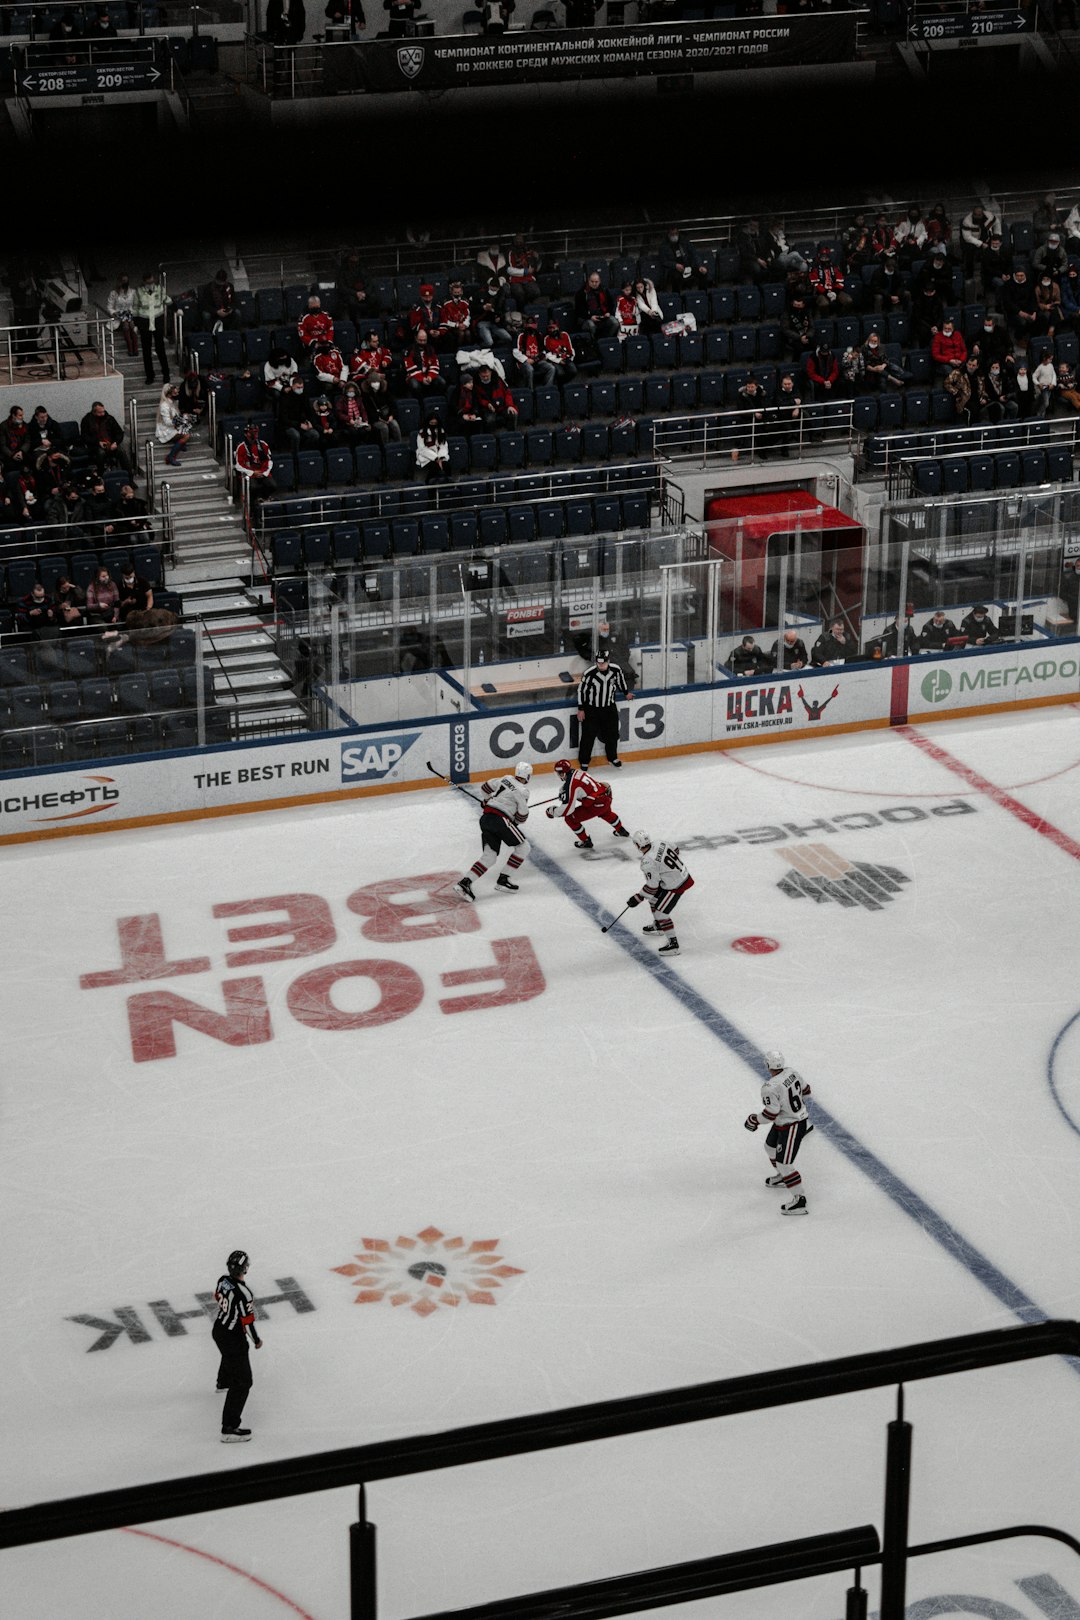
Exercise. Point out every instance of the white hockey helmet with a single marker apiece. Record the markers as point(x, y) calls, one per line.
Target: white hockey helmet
point(523, 771)
point(774, 1060)
point(641, 840)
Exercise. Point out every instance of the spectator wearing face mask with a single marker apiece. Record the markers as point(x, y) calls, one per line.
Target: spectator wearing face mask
point(295, 418)
point(1047, 306)
point(681, 264)
point(947, 349)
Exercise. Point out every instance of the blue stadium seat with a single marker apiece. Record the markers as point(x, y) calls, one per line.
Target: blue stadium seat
point(981, 473)
point(539, 447)
point(63, 702)
point(567, 443)
point(920, 365)
point(82, 658)
point(602, 399)
point(748, 303)
point(201, 345)
point(317, 543)
point(658, 394)
point(635, 510)
point(521, 523)
point(623, 440)
point(399, 460)
point(890, 410)
point(511, 447)
point(637, 354)
point(1023, 237)
point(899, 327)
point(606, 515)
point(492, 526)
point(458, 446)
point(229, 347)
point(483, 452)
point(744, 344)
point(285, 551)
point(610, 351)
point(711, 389)
point(1067, 349)
point(407, 533)
point(1007, 469)
point(825, 332)
point(955, 472)
point(692, 349)
point(367, 463)
point(1033, 466)
point(270, 306)
point(548, 405)
point(664, 350)
point(722, 305)
point(576, 400)
point(464, 531)
point(684, 392)
point(550, 520)
point(631, 395)
point(377, 539)
point(133, 694)
point(916, 407)
point(22, 576)
point(579, 518)
point(864, 413)
point(284, 470)
point(257, 346)
point(718, 348)
point(347, 546)
point(311, 469)
point(1059, 464)
point(95, 698)
point(434, 532)
point(928, 479)
point(339, 465)
point(595, 441)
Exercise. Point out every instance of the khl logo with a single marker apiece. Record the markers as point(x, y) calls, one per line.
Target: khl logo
point(936, 685)
point(371, 761)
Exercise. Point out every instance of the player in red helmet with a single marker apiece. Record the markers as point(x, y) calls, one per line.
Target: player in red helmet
point(581, 797)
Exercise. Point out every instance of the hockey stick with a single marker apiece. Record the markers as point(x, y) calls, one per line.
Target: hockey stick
point(448, 782)
point(614, 920)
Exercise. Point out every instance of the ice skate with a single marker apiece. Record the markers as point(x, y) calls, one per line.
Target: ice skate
point(584, 842)
point(796, 1207)
point(505, 883)
point(620, 831)
point(230, 1436)
point(670, 949)
point(464, 888)
point(650, 928)
point(774, 1181)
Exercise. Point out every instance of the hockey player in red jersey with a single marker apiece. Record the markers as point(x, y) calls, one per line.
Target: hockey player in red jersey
point(666, 881)
point(581, 797)
point(504, 808)
point(782, 1106)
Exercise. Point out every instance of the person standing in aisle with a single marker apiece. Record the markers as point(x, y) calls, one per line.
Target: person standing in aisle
point(782, 1105)
point(148, 307)
point(581, 797)
point(598, 693)
point(504, 809)
point(235, 1320)
point(666, 881)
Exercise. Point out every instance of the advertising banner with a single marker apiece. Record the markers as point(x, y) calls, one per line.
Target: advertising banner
point(519, 57)
point(969, 24)
point(803, 700)
point(997, 679)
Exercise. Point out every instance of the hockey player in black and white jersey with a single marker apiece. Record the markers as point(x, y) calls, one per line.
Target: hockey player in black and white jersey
point(505, 810)
point(784, 1108)
point(666, 881)
point(235, 1320)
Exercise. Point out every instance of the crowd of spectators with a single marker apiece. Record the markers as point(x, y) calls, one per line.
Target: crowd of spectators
point(838, 643)
point(51, 474)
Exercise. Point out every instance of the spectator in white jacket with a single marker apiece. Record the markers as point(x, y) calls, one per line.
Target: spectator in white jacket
point(1044, 381)
point(650, 315)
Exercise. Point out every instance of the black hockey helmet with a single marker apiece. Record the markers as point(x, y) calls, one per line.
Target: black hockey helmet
point(238, 1262)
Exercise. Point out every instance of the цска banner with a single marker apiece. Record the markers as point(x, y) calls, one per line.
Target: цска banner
point(442, 64)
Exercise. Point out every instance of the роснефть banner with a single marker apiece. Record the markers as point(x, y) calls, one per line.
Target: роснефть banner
point(442, 64)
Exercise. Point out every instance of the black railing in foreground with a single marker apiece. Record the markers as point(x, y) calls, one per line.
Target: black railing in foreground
point(602, 1420)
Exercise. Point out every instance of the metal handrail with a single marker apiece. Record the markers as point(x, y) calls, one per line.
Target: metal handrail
point(709, 437)
point(18, 343)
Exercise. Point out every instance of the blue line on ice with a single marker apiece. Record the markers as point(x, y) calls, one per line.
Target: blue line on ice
point(903, 1196)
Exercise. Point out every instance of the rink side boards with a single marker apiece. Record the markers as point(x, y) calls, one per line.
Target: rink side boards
point(236, 779)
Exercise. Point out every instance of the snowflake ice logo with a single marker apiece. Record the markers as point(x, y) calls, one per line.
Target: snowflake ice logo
point(427, 1271)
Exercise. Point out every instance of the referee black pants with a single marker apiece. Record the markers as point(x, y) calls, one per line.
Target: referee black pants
point(234, 1374)
point(599, 724)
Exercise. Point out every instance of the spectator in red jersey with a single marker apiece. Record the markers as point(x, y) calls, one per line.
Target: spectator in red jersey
point(353, 421)
point(468, 418)
point(370, 356)
point(823, 373)
point(532, 363)
point(494, 400)
point(827, 284)
point(594, 308)
point(328, 363)
point(626, 310)
point(423, 372)
point(882, 239)
point(423, 314)
point(255, 464)
point(559, 350)
point(315, 326)
point(382, 407)
point(522, 265)
point(947, 349)
point(455, 319)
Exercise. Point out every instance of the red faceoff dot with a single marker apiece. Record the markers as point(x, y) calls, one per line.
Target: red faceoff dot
point(755, 944)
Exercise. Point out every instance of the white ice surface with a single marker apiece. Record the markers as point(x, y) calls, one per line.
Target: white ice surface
point(594, 1130)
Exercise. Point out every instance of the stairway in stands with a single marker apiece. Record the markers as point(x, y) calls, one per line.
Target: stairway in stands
point(212, 572)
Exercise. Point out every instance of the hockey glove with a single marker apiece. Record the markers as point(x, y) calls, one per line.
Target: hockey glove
point(551, 811)
point(752, 1122)
point(634, 900)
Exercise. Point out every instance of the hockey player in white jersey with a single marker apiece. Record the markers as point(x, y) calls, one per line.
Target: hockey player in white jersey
point(666, 881)
point(505, 802)
point(784, 1109)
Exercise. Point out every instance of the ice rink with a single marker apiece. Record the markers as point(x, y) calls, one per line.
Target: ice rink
point(270, 1032)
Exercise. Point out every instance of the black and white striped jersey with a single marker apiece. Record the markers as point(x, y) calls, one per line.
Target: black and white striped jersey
point(597, 688)
point(236, 1305)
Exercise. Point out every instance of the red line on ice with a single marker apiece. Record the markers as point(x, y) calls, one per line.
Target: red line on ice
point(982, 784)
point(223, 1563)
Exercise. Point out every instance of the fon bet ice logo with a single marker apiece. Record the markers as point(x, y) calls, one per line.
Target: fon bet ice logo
point(428, 1271)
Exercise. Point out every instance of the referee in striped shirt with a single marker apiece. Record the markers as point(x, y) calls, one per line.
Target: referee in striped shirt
point(598, 693)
